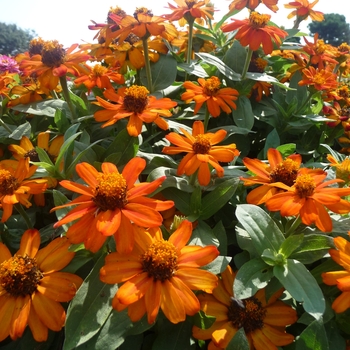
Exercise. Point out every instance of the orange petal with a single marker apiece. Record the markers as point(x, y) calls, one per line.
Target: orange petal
point(30, 243)
point(261, 341)
point(197, 279)
point(142, 216)
point(279, 314)
point(7, 308)
point(222, 337)
point(197, 256)
point(4, 253)
point(182, 234)
point(330, 278)
point(20, 317)
point(171, 303)
point(108, 221)
point(39, 330)
point(51, 313)
point(152, 300)
point(132, 170)
point(118, 272)
point(134, 289)
point(341, 303)
point(88, 173)
point(125, 236)
point(277, 337)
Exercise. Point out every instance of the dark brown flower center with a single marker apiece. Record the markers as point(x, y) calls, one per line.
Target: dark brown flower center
point(20, 275)
point(285, 172)
point(53, 54)
point(247, 313)
point(136, 98)
point(36, 47)
point(160, 260)
point(201, 145)
point(111, 191)
point(8, 183)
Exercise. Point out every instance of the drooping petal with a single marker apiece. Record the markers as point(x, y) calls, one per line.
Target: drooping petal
point(108, 221)
point(7, 307)
point(20, 317)
point(125, 236)
point(152, 300)
point(39, 330)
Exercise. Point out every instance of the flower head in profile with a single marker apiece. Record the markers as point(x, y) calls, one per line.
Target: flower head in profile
point(101, 77)
point(16, 185)
point(142, 24)
point(32, 286)
point(303, 9)
point(255, 32)
point(310, 197)
point(109, 203)
point(340, 278)
point(253, 4)
point(160, 274)
point(8, 65)
point(210, 92)
point(320, 79)
point(53, 62)
point(135, 103)
point(263, 321)
point(202, 152)
point(191, 10)
point(342, 168)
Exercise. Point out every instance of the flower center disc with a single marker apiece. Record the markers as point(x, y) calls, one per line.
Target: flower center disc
point(8, 183)
point(305, 186)
point(136, 98)
point(201, 145)
point(285, 172)
point(160, 260)
point(258, 20)
point(246, 313)
point(53, 54)
point(111, 191)
point(20, 275)
point(212, 86)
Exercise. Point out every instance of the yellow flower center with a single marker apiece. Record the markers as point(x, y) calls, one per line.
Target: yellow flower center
point(136, 98)
point(285, 172)
point(247, 313)
point(202, 144)
point(160, 260)
point(257, 20)
point(212, 86)
point(36, 46)
point(20, 275)
point(305, 185)
point(343, 170)
point(319, 78)
point(8, 183)
point(321, 47)
point(111, 191)
point(53, 54)
point(99, 70)
point(261, 63)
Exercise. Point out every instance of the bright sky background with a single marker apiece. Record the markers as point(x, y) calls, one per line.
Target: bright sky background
point(67, 20)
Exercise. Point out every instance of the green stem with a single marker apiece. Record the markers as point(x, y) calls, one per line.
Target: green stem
point(147, 64)
point(293, 227)
point(24, 215)
point(247, 62)
point(5, 126)
point(190, 43)
point(66, 96)
point(206, 119)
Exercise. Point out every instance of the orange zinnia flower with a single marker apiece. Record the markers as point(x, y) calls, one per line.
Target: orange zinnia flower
point(109, 204)
point(303, 9)
point(321, 79)
point(267, 174)
point(53, 63)
point(309, 197)
point(201, 152)
point(341, 256)
point(209, 92)
point(100, 76)
point(255, 32)
point(32, 287)
point(253, 4)
point(143, 24)
point(160, 274)
point(263, 321)
point(342, 169)
point(136, 103)
point(16, 185)
point(190, 10)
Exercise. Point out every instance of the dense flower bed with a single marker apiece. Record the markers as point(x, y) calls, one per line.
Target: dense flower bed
point(178, 183)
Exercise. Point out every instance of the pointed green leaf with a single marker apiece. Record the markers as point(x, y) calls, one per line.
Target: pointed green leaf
point(239, 341)
point(314, 337)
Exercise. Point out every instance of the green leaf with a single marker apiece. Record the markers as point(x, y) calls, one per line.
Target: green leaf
point(47, 108)
point(163, 73)
point(291, 244)
point(263, 231)
point(220, 233)
point(89, 309)
point(243, 115)
point(22, 130)
point(202, 320)
point(312, 248)
point(216, 199)
point(239, 341)
point(181, 199)
point(174, 336)
point(251, 277)
point(272, 141)
point(221, 66)
point(203, 235)
point(193, 69)
point(302, 286)
point(313, 337)
point(195, 203)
